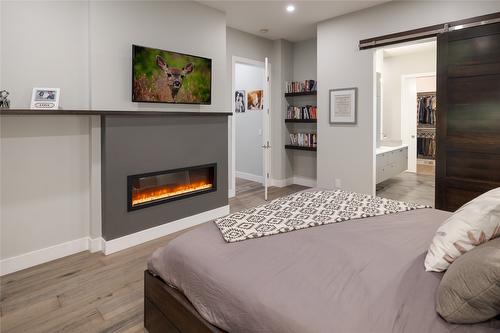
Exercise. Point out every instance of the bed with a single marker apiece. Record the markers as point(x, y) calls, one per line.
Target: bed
point(364, 275)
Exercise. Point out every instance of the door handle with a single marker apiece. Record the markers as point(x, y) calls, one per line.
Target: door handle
point(413, 136)
point(267, 145)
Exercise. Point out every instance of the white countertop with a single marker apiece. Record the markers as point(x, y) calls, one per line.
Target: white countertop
point(385, 149)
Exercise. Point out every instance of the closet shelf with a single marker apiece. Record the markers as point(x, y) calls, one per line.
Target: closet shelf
point(303, 93)
point(296, 147)
point(301, 120)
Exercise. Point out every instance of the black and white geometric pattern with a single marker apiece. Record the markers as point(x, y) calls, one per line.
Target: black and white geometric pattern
point(306, 209)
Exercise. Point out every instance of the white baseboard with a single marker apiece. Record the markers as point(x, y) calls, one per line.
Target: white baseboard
point(95, 244)
point(250, 176)
point(231, 193)
point(37, 257)
point(309, 182)
point(118, 244)
point(33, 258)
point(281, 182)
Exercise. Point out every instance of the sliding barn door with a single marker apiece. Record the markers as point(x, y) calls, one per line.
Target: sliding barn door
point(468, 115)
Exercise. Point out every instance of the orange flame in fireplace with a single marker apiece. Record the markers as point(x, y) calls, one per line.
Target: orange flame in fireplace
point(163, 192)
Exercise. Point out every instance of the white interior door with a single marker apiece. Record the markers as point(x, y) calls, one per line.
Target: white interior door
point(266, 147)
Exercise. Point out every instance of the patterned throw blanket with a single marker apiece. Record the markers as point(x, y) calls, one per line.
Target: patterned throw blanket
point(306, 209)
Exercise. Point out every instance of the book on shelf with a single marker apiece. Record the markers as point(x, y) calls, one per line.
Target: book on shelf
point(300, 86)
point(301, 112)
point(304, 139)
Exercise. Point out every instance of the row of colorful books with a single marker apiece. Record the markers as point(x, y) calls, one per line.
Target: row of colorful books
point(304, 139)
point(300, 86)
point(302, 112)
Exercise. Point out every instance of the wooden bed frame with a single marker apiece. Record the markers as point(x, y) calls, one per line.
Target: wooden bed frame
point(167, 310)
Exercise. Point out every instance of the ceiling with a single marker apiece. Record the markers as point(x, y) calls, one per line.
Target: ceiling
point(252, 16)
point(414, 47)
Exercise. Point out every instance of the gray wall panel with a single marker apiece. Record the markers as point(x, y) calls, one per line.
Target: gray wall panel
point(133, 145)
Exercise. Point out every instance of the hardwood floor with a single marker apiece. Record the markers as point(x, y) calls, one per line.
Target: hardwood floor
point(244, 185)
point(90, 292)
point(409, 187)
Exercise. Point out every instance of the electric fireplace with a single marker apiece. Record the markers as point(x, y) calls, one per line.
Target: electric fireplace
point(155, 188)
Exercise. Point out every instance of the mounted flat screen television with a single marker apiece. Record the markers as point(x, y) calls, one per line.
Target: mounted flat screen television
point(160, 76)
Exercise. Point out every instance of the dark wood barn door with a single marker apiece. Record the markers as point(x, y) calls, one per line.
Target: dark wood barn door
point(468, 116)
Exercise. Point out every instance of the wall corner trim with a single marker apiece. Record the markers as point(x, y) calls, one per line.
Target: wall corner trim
point(143, 236)
point(95, 244)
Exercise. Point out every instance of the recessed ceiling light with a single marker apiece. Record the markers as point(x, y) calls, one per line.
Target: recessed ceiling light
point(264, 31)
point(290, 8)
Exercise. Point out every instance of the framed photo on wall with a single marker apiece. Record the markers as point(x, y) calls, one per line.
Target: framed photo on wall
point(343, 106)
point(255, 100)
point(45, 98)
point(239, 101)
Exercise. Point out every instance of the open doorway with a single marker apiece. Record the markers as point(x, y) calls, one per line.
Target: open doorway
point(406, 118)
point(248, 124)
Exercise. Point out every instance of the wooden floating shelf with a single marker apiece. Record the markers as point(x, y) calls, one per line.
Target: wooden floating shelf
point(301, 120)
point(29, 112)
point(303, 93)
point(300, 147)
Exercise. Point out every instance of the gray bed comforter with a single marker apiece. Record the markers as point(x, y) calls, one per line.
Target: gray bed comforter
point(362, 275)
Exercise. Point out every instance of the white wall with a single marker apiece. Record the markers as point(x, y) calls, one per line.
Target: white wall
point(248, 125)
point(85, 49)
point(393, 69)
point(305, 60)
point(45, 182)
point(180, 26)
point(44, 160)
point(379, 63)
point(282, 71)
point(45, 44)
point(426, 84)
point(304, 68)
point(347, 152)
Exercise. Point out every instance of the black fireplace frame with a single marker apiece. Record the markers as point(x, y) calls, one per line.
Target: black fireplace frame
point(130, 178)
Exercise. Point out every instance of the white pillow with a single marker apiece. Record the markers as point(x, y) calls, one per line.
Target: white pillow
point(474, 223)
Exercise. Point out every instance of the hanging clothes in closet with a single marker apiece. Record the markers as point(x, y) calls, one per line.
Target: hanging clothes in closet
point(426, 122)
point(426, 110)
point(426, 144)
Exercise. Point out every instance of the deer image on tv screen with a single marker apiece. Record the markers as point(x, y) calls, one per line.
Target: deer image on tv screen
point(175, 76)
point(169, 77)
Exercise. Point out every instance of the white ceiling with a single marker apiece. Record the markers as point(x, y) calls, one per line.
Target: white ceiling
point(252, 16)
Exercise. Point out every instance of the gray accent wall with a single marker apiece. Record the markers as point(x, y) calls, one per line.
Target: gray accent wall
point(134, 144)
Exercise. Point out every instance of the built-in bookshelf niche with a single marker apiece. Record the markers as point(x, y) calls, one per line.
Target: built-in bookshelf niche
point(301, 115)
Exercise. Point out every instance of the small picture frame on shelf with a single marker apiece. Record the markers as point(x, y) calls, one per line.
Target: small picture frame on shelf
point(343, 106)
point(45, 98)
